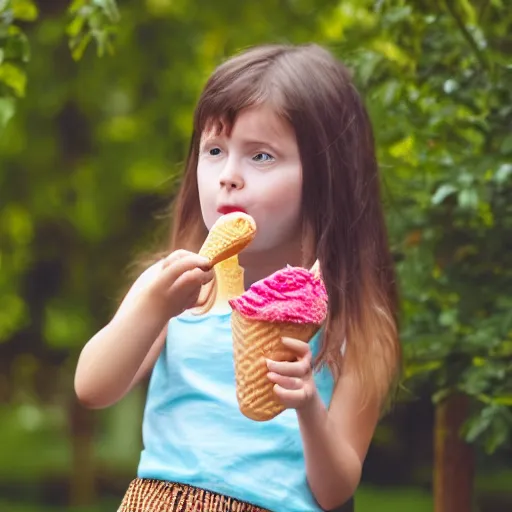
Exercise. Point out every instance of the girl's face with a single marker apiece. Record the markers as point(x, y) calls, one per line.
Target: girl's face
point(257, 170)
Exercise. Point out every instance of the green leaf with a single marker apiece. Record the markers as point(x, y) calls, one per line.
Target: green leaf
point(441, 395)
point(398, 14)
point(497, 437)
point(79, 45)
point(468, 198)
point(389, 92)
point(17, 222)
point(13, 314)
point(503, 173)
point(110, 9)
point(503, 400)
point(469, 11)
point(76, 5)
point(500, 430)
point(14, 77)
point(442, 193)
point(448, 318)
point(415, 368)
point(7, 110)
point(450, 86)
point(477, 425)
point(92, 21)
point(75, 26)
point(17, 47)
point(25, 10)
point(506, 145)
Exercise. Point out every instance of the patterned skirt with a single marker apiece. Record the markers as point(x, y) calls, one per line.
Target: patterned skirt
point(145, 495)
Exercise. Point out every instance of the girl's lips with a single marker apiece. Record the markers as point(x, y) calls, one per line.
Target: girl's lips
point(230, 209)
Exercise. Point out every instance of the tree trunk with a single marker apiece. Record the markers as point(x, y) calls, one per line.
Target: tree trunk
point(82, 478)
point(453, 458)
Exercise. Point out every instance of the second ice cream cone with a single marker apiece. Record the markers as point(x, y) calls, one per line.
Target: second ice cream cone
point(253, 341)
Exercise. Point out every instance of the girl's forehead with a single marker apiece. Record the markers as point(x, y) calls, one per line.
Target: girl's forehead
point(255, 121)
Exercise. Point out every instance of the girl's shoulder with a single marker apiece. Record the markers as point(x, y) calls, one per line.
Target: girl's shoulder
point(195, 315)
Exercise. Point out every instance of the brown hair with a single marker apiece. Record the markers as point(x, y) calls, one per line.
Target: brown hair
point(341, 206)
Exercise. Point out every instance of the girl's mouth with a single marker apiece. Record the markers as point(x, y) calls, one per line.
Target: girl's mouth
point(230, 209)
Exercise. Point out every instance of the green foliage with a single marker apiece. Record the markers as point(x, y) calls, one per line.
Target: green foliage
point(92, 20)
point(89, 20)
point(449, 179)
point(437, 81)
point(14, 54)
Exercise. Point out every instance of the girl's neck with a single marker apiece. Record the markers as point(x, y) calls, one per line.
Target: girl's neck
point(258, 265)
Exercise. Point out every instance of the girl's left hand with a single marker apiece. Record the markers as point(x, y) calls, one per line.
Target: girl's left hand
point(294, 383)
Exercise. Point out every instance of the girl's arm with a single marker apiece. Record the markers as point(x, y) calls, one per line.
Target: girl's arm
point(336, 442)
point(122, 353)
point(109, 364)
point(149, 361)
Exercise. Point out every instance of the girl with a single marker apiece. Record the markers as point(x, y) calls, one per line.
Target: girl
point(280, 133)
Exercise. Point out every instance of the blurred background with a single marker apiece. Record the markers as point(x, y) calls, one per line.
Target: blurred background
point(96, 102)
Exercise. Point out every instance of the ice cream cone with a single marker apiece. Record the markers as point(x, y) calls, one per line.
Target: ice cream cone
point(253, 341)
point(229, 276)
point(228, 236)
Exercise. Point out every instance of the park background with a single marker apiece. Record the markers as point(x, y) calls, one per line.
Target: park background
point(96, 103)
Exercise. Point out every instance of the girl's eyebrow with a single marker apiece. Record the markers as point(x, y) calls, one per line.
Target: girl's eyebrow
point(259, 143)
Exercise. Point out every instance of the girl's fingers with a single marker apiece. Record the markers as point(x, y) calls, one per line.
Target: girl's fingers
point(291, 383)
point(207, 276)
point(299, 368)
point(174, 256)
point(187, 262)
point(301, 348)
point(192, 278)
point(290, 396)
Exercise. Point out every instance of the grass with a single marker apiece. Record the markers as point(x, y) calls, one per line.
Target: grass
point(368, 499)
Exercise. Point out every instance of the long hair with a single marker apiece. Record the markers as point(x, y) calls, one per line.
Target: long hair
point(342, 213)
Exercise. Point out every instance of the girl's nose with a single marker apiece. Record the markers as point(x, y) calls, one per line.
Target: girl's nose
point(232, 182)
point(230, 177)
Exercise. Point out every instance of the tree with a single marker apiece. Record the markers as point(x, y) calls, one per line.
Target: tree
point(449, 152)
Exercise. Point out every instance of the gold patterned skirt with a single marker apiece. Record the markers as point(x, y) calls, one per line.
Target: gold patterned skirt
point(146, 495)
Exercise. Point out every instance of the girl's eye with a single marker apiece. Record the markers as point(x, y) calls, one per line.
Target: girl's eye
point(214, 152)
point(263, 157)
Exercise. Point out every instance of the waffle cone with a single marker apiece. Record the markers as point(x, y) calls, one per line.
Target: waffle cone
point(253, 341)
point(228, 237)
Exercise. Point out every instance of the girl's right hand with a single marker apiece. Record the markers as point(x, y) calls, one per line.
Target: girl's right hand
point(174, 283)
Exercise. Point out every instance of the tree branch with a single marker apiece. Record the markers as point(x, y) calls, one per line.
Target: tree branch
point(467, 35)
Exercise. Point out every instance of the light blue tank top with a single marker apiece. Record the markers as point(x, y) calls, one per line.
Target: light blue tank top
point(194, 433)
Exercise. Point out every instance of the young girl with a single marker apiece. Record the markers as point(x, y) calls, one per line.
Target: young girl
point(280, 133)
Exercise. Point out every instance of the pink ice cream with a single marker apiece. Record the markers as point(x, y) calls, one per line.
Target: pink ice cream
point(293, 294)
